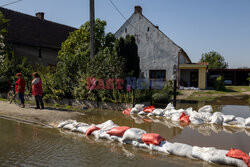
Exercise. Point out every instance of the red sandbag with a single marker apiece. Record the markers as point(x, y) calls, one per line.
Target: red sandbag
point(152, 138)
point(118, 131)
point(184, 118)
point(91, 129)
point(235, 153)
point(149, 109)
point(127, 111)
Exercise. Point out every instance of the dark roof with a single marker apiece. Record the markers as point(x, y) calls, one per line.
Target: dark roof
point(30, 30)
point(224, 70)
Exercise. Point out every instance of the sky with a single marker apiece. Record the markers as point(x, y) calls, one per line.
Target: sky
point(198, 26)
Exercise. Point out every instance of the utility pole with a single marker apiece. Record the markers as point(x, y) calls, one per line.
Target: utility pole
point(92, 28)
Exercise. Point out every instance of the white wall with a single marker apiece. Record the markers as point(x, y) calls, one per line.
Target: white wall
point(156, 51)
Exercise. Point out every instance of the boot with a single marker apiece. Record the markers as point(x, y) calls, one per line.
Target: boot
point(22, 106)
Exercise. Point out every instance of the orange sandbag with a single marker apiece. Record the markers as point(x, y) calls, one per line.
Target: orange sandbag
point(184, 118)
point(91, 129)
point(118, 131)
point(127, 111)
point(149, 109)
point(235, 153)
point(152, 138)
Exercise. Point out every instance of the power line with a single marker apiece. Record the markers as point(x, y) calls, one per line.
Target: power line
point(117, 9)
point(10, 3)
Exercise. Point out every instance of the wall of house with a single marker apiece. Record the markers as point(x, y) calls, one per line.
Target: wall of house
point(156, 51)
point(183, 59)
point(48, 56)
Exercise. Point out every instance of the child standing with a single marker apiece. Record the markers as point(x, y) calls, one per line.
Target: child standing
point(20, 88)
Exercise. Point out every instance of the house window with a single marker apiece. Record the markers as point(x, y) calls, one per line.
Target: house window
point(157, 74)
point(148, 29)
point(40, 53)
point(126, 30)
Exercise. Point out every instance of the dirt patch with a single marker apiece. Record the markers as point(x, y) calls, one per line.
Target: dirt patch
point(45, 116)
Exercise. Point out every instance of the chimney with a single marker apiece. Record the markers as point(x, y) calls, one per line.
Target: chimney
point(157, 27)
point(40, 15)
point(138, 9)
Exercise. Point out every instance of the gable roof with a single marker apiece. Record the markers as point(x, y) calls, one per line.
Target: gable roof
point(30, 30)
point(181, 50)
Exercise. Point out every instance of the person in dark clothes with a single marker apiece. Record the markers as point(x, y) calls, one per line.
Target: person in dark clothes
point(37, 90)
point(20, 88)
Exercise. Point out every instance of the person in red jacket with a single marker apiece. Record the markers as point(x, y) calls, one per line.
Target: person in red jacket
point(20, 88)
point(37, 90)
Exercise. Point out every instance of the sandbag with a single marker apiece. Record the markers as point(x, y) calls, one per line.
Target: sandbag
point(217, 118)
point(228, 118)
point(70, 126)
point(183, 150)
point(150, 114)
point(107, 125)
point(133, 111)
point(139, 107)
point(191, 112)
point(149, 109)
point(142, 113)
point(176, 116)
point(118, 131)
point(158, 112)
point(140, 145)
point(196, 121)
point(126, 111)
point(206, 108)
point(82, 129)
point(205, 116)
point(247, 122)
point(133, 134)
point(62, 124)
point(170, 106)
point(91, 129)
point(152, 138)
point(117, 138)
point(235, 153)
point(184, 118)
point(211, 154)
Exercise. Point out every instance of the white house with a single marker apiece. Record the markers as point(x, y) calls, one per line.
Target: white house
point(158, 53)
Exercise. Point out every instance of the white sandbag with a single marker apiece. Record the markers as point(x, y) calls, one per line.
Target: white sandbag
point(142, 113)
point(133, 111)
point(247, 122)
point(183, 150)
point(139, 107)
point(217, 118)
point(158, 112)
point(239, 122)
point(158, 148)
point(220, 158)
point(107, 125)
point(211, 154)
point(175, 116)
point(69, 126)
point(82, 129)
point(205, 116)
point(170, 106)
point(133, 134)
point(196, 121)
point(62, 124)
point(96, 134)
point(140, 145)
point(207, 108)
point(228, 118)
point(150, 114)
point(190, 111)
point(116, 138)
point(104, 135)
point(247, 131)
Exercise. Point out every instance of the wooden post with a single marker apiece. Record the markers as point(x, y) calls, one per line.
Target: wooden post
point(92, 28)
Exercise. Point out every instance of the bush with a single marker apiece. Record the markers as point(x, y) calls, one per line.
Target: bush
point(164, 95)
point(219, 84)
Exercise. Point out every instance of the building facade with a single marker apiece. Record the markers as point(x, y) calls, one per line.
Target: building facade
point(158, 53)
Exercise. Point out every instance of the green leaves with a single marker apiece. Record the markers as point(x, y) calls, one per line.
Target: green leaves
point(214, 60)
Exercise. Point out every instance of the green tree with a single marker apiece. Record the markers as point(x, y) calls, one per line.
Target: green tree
point(214, 60)
point(127, 49)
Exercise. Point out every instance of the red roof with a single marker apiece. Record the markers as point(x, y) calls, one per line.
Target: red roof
point(30, 30)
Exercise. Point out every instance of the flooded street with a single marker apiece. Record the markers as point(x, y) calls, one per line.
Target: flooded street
point(28, 145)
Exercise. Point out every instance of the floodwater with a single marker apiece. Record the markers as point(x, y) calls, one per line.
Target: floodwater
point(27, 145)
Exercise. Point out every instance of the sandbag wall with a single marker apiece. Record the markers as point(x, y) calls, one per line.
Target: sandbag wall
point(140, 138)
point(204, 115)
